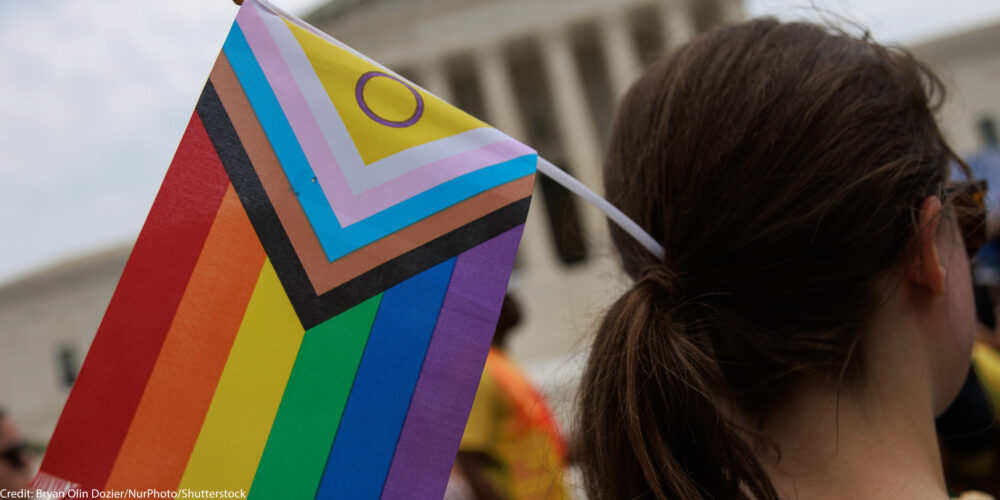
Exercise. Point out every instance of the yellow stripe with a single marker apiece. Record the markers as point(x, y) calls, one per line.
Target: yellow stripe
point(235, 431)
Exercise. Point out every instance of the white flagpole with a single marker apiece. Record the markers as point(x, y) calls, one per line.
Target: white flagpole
point(617, 216)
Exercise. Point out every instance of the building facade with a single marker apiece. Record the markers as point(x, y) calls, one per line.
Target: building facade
point(969, 64)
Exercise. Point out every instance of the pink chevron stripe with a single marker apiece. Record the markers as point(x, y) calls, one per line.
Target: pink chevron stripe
point(348, 207)
point(435, 173)
point(294, 105)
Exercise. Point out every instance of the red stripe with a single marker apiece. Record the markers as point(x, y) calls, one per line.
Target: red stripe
point(97, 414)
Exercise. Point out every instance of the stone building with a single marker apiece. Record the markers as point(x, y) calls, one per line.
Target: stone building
point(969, 64)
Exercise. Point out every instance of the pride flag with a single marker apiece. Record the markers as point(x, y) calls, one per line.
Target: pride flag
point(309, 306)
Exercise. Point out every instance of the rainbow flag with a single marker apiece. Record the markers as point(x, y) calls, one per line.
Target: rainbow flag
point(309, 306)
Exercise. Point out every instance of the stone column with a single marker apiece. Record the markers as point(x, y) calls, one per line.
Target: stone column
point(576, 128)
point(433, 76)
point(620, 53)
point(678, 24)
point(498, 91)
point(537, 249)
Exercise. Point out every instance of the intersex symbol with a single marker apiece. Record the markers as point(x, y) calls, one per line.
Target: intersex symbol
point(359, 93)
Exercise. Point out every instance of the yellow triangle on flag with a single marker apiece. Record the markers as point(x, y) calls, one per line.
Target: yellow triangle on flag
point(340, 71)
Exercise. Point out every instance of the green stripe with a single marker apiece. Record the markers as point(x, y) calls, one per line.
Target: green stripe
point(310, 411)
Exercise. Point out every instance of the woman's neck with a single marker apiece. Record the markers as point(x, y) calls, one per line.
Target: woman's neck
point(834, 447)
point(874, 439)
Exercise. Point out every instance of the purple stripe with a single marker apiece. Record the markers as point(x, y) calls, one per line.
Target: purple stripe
point(450, 374)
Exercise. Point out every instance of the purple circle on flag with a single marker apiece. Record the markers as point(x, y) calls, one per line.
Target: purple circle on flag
point(359, 93)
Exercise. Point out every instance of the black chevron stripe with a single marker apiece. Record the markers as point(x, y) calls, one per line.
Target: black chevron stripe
point(313, 309)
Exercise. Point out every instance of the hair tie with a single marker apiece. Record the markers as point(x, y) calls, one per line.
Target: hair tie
point(663, 277)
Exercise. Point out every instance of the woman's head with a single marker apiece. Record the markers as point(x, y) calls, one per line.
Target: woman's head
point(785, 169)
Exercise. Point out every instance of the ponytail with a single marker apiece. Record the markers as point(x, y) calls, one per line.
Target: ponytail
point(650, 426)
point(779, 165)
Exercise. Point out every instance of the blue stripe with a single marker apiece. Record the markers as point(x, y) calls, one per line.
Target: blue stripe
point(338, 241)
point(387, 375)
point(276, 127)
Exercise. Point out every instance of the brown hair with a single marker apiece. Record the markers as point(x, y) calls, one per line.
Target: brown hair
point(781, 166)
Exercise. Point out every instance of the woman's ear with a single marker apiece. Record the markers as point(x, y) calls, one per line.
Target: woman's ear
point(925, 267)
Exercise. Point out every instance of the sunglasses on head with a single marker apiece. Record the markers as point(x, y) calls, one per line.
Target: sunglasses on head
point(14, 455)
point(968, 201)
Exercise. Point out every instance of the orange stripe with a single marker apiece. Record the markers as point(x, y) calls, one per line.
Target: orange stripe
point(170, 414)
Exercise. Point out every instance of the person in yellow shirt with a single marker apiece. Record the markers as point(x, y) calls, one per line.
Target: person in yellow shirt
point(512, 447)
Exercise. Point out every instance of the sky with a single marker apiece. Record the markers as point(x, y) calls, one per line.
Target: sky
point(94, 98)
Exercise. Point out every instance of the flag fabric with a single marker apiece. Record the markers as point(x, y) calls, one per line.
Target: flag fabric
point(308, 308)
